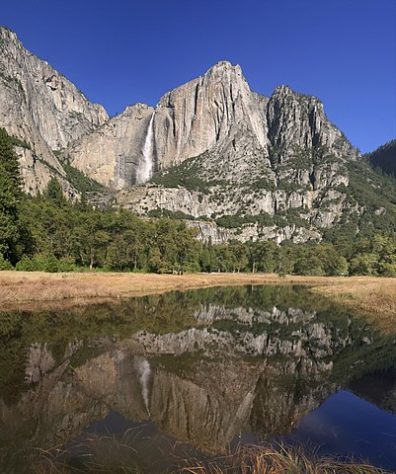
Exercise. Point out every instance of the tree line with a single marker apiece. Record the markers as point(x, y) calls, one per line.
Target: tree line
point(49, 233)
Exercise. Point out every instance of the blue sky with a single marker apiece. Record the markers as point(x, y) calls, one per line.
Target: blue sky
point(119, 52)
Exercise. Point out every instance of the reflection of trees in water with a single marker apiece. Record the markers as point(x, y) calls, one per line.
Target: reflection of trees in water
point(203, 365)
point(377, 387)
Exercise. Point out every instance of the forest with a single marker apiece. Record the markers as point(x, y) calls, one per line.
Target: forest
point(49, 233)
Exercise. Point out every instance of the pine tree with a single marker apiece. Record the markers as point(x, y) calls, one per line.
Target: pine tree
point(54, 193)
point(10, 198)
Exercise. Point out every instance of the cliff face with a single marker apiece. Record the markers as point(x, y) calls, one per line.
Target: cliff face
point(41, 108)
point(214, 113)
point(214, 148)
point(235, 163)
point(186, 122)
point(202, 113)
point(116, 154)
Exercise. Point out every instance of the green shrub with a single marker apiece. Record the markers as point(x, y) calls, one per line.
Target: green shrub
point(67, 264)
point(25, 264)
point(364, 264)
point(309, 265)
point(178, 215)
point(49, 263)
point(387, 269)
point(39, 263)
point(5, 264)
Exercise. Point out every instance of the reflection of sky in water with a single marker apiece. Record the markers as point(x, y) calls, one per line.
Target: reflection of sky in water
point(347, 424)
point(342, 425)
point(205, 368)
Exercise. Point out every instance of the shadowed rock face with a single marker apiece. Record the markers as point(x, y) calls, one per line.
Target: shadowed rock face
point(299, 120)
point(41, 107)
point(384, 157)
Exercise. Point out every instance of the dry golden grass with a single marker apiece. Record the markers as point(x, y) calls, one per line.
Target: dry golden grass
point(281, 460)
point(371, 296)
point(121, 458)
point(22, 289)
point(374, 298)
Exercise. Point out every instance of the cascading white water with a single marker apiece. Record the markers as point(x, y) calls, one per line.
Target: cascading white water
point(143, 369)
point(146, 166)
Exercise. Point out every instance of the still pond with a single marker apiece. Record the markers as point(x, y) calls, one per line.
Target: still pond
point(154, 383)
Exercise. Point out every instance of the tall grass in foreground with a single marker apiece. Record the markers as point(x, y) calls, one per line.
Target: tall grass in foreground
point(280, 460)
point(245, 460)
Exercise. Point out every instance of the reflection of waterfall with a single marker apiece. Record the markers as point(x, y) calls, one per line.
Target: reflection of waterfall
point(40, 361)
point(144, 373)
point(145, 169)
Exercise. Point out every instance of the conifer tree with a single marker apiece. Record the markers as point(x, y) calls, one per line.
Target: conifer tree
point(10, 198)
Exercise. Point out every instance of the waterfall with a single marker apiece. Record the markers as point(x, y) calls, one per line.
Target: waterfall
point(144, 373)
point(145, 169)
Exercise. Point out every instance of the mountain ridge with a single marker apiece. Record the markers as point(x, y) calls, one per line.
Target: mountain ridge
point(384, 157)
point(43, 109)
point(198, 115)
point(211, 150)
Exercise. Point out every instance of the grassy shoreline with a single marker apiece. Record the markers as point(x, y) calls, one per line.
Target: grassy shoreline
point(247, 459)
point(371, 296)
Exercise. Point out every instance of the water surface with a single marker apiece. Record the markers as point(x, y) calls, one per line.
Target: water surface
point(151, 381)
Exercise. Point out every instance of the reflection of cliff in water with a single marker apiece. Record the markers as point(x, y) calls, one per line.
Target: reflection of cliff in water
point(217, 364)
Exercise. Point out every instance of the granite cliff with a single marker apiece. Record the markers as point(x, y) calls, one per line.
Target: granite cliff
point(43, 110)
point(235, 164)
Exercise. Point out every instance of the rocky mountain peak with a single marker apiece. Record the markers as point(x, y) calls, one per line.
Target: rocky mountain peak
point(6, 34)
point(68, 113)
point(283, 89)
point(43, 109)
point(287, 94)
point(10, 47)
point(197, 116)
point(137, 108)
point(211, 148)
point(207, 114)
point(223, 68)
point(299, 120)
